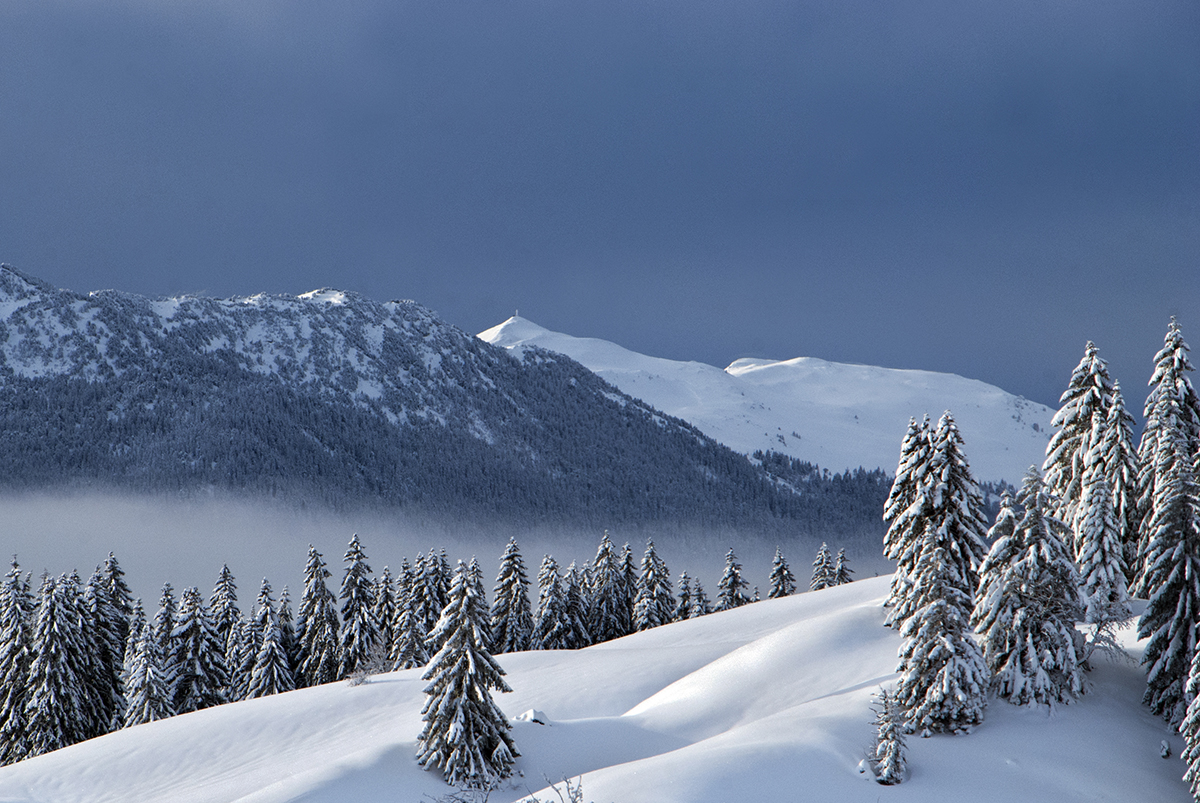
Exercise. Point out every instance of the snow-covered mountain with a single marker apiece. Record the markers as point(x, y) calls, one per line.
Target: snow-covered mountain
point(333, 397)
point(835, 415)
point(767, 702)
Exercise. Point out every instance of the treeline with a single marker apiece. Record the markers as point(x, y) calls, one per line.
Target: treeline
point(80, 659)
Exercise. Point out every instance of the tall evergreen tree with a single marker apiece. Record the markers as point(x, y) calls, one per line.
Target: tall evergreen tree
point(683, 604)
point(1028, 603)
point(245, 642)
point(1085, 407)
point(700, 603)
point(270, 673)
point(607, 612)
point(823, 572)
point(655, 605)
point(511, 614)
point(197, 662)
point(385, 609)
point(575, 608)
point(147, 689)
point(475, 576)
point(1099, 554)
point(15, 642)
point(905, 507)
point(551, 627)
point(225, 613)
point(731, 590)
point(317, 633)
point(783, 582)
point(943, 678)
point(119, 595)
point(360, 633)
point(1121, 469)
point(408, 633)
point(628, 589)
point(56, 710)
point(431, 596)
point(950, 509)
point(287, 633)
point(841, 569)
point(108, 628)
point(465, 735)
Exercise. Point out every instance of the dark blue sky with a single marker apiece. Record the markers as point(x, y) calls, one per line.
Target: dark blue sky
point(964, 186)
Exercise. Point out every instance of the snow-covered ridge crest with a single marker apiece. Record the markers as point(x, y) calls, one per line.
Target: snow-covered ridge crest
point(836, 415)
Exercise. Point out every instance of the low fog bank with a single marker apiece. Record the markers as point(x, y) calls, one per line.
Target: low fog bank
point(185, 542)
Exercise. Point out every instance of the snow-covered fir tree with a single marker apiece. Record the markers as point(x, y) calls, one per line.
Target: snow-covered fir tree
point(475, 577)
point(841, 569)
point(1121, 469)
point(823, 572)
point(1085, 407)
point(466, 735)
point(889, 758)
point(317, 628)
point(119, 595)
point(287, 631)
point(271, 672)
point(943, 678)
point(385, 609)
point(246, 640)
point(731, 589)
point(1171, 577)
point(608, 613)
point(551, 626)
point(948, 506)
point(701, 606)
point(15, 642)
point(1028, 603)
point(56, 710)
point(408, 633)
point(575, 608)
point(164, 620)
point(628, 587)
point(146, 683)
point(197, 662)
point(360, 633)
point(511, 614)
point(683, 603)
point(1099, 552)
point(905, 520)
point(783, 582)
point(655, 604)
point(108, 628)
point(430, 587)
point(224, 610)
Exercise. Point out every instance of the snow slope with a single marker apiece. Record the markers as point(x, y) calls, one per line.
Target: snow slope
point(835, 415)
point(768, 702)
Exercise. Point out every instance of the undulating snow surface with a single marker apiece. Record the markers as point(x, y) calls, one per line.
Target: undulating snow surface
point(835, 415)
point(767, 702)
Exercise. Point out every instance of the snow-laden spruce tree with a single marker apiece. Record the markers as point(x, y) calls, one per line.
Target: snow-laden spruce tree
point(1028, 603)
point(822, 570)
point(224, 610)
point(903, 517)
point(385, 609)
point(948, 506)
point(1190, 728)
point(783, 582)
point(628, 587)
point(106, 627)
point(146, 681)
point(608, 610)
point(1171, 576)
point(408, 632)
point(551, 626)
point(1085, 407)
point(655, 604)
point(271, 672)
point(466, 735)
point(575, 607)
point(429, 593)
point(511, 614)
point(1099, 552)
point(701, 606)
point(197, 662)
point(57, 711)
point(360, 632)
point(841, 569)
point(119, 595)
point(287, 631)
point(1121, 470)
point(317, 628)
point(731, 588)
point(943, 678)
point(15, 642)
point(245, 641)
point(888, 758)
point(683, 603)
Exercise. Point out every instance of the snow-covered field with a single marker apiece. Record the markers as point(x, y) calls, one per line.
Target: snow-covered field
point(767, 702)
point(835, 415)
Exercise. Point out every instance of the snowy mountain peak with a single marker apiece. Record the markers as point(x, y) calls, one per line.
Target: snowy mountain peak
point(836, 415)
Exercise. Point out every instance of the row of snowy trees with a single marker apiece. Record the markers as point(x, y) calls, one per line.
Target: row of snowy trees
point(1107, 519)
point(80, 659)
